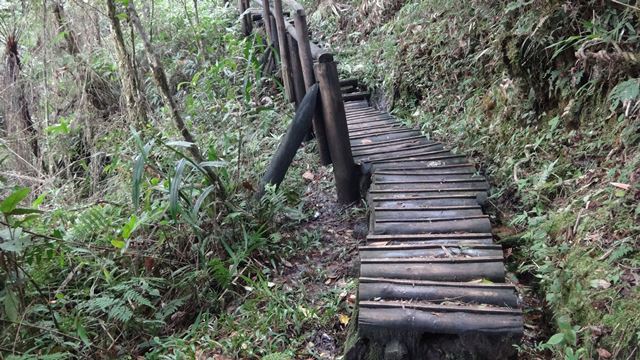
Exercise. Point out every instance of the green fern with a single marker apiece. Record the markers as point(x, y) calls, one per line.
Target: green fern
point(120, 312)
point(91, 223)
point(170, 308)
point(137, 298)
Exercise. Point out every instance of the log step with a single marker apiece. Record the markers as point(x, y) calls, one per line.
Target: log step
point(372, 289)
point(448, 250)
point(435, 269)
point(439, 319)
point(477, 224)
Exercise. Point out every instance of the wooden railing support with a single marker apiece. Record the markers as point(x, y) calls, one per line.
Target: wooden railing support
point(266, 19)
point(274, 34)
point(284, 50)
point(296, 70)
point(306, 63)
point(244, 27)
point(335, 121)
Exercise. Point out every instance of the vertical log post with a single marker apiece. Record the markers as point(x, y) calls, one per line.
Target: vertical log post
point(274, 35)
point(243, 19)
point(296, 70)
point(304, 49)
point(266, 19)
point(306, 62)
point(284, 51)
point(247, 18)
point(335, 121)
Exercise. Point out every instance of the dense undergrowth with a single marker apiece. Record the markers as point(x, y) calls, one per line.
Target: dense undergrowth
point(116, 244)
point(545, 96)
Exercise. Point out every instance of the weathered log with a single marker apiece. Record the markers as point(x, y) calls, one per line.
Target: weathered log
point(345, 171)
point(285, 61)
point(296, 70)
point(244, 27)
point(298, 129)
point(248, 20)
point(266, 15)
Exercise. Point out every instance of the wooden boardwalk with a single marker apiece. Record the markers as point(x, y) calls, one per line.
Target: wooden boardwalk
point(432, 282)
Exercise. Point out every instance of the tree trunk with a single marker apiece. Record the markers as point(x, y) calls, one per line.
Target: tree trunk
point(133, 95)
point(22, 135)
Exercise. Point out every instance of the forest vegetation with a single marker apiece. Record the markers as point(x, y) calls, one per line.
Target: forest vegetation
point(133, 134)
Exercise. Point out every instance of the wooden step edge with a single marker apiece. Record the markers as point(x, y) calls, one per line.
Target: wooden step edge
point(471, 285)
point(440, 308)
point(429, 246)
point(429, 208)
point(434, 260)
point(431, 236)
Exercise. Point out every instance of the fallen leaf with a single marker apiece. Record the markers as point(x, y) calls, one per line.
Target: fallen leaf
point(603, 353)
point(620, 185)
point(352, 298)
point(308, 175)
point(600, 284)
point(344, 319)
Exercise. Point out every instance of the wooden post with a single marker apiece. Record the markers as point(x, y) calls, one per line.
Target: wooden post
point(243, 19)
point(335, 121)
point(274, 34)
point(306, 62)
point(304, 49)
point(284, 51)
point(247, 18)
point(296, 70)
point(298, 128)
point(266, 19)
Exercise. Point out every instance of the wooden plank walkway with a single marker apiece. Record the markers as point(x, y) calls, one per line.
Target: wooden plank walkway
point(432, 282)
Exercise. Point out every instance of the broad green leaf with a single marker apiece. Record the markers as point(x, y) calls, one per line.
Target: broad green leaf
point(11, 305)
point(218, 163)
point(82, 334)
point(201, 198)
point(180, 143)
point(556, 339)
point(129, 227)
point(174, 190)
point(138, 171)
point(118, 243)
point(23, 211)
point(11, 202)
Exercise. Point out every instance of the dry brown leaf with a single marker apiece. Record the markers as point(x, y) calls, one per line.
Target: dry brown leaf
point(622, 186)
point(308, 175)
point(603, 353)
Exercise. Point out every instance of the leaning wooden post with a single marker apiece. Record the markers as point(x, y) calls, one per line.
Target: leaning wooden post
point(296, 70)
point(284, 50)
point(306, 62)
point(335, 121)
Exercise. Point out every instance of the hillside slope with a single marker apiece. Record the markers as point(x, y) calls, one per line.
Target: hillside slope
point(545, 96)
